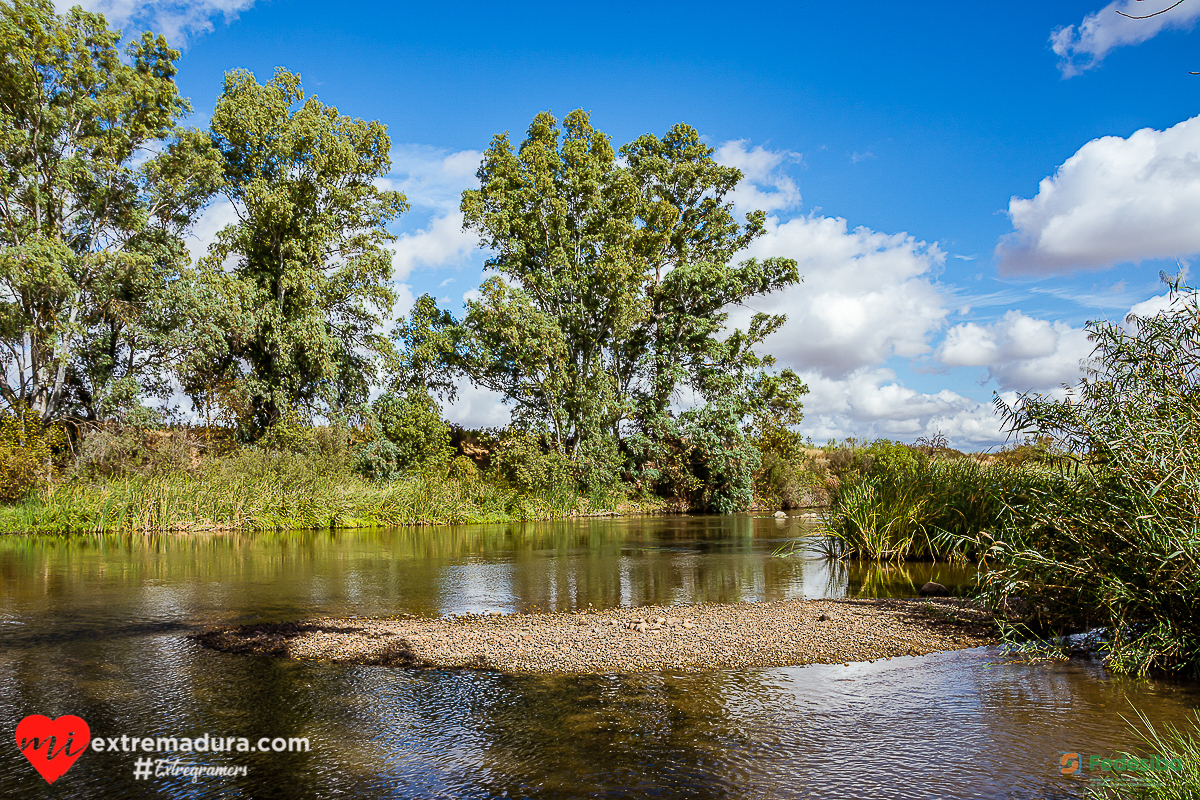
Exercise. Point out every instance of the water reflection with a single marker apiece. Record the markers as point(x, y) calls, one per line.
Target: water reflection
point(94, 626)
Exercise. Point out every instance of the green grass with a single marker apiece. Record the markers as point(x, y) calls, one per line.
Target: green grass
point(267, 491)
point(933, 510)
point(1180, 781)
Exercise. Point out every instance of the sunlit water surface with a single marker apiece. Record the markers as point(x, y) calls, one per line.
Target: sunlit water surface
point(97, 626)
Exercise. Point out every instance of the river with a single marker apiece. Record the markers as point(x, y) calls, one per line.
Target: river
point(97, 626)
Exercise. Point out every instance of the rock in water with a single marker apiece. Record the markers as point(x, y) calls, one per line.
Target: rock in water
point(780, 514)
point(932, 589)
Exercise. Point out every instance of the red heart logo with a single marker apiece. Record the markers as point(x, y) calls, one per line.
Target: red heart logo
point(49, 744)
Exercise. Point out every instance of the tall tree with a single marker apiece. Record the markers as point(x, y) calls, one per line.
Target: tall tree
point(688, 237)
point(303, 276)
point(613, 288)
point(93, 202)
point(547, 331)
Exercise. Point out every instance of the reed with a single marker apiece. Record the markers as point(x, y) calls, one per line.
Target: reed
point(1173, 760)
point(934, 509)
point(278, 491)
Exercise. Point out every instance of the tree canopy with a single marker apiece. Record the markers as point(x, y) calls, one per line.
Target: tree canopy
point(97, 188)
point(613, 278)
point(303, 278)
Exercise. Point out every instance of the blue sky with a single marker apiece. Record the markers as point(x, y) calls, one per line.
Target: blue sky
point(963, 184)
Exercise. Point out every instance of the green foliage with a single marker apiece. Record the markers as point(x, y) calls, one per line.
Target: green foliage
point(1179, 782)
point(255, 488)
point(903, 507)
point(293, 324)
point(379, 460)
point(548, 331)
point(92, 260)
point(599, 465)
point(27, 449)
point(414, 424)
point(721, 457)
point(611, 295)
point(411, 434)
point(525, 464)
point(426, 351)
point(1119, 547)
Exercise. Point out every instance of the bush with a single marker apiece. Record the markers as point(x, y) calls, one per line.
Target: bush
point(27, 449)
point(721, 456)
point(523, 462)
point(932, 509)
point(598, 465)
point(415, 426)
point(379, 460)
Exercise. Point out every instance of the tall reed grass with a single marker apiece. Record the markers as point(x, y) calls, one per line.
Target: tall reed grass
point(1117, 549)
point(932, 509)
point(1177, 779)
point(265, 491)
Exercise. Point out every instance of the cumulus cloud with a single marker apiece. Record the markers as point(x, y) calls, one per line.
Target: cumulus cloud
point(1116, 200)
point(1020, 353)
point(215, 217)
point(441, 243)
point(1082, 47)
point(765, 186)
point(870, 403)
point(477, 408)
point(866, 296)
point(433, 180)
point(1148, 308)
point(431, 177)
point(177, 20)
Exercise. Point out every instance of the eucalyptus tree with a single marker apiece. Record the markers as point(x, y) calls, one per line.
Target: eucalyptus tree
point(96, 189)
point(301, 281)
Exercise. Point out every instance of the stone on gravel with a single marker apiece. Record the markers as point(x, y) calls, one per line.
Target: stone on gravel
point(711, 636)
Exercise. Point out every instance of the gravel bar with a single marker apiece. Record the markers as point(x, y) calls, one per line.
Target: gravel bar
point(687, 638)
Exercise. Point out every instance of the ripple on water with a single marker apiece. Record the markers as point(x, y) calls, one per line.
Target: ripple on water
point(96, 626)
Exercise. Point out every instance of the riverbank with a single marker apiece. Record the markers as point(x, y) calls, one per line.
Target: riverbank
point(282, 496)
point(684, 638)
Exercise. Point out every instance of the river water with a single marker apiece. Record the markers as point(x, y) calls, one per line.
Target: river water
point(97, 626)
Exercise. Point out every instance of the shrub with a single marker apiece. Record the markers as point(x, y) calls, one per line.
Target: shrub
point(721, 456)
point(414, 425)
point(27, 448)
point(524, 463)
point(932, 509)
point(598, 464)
point(379, 460)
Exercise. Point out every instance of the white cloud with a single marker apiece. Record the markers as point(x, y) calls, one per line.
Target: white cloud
point(1021, 353)
point(431, 177)
point(865, 297)
point(1148, 308)
point(441, 243)
point(1083, 46)
point(764, 187)
point(869, 403)
point(177, 20)
point(211, 221)
point(404, 301)
point(1116, 200)
point(477, 408)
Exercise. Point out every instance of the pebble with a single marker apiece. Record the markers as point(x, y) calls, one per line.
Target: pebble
point(689, 638)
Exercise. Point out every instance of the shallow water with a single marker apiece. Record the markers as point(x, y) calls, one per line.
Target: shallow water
point(97, 626)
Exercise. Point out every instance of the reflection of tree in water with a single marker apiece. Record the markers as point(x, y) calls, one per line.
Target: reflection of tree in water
point(605, 735)
point(880, 579)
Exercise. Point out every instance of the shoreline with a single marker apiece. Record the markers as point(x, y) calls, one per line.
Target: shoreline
point(683, 638)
